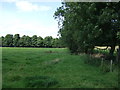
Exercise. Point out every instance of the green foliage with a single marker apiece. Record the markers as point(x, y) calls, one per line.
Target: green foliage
point(39, 41)
point(85, 25)
point(16, 40)
point(48, 41)
point(34, 41)
point(8, 40)
point(22, 41)
point(26, 41)
point(2, 41)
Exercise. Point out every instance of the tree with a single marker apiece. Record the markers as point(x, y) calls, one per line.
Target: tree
point(22, 41)
point(16, 40)
point(8, 40)
point(1, 41)
point(109, 22)
point(57, 43)
point(34, 40)
point(48, 41)
point(85, 25)
point(27, 41)
point(39, 41)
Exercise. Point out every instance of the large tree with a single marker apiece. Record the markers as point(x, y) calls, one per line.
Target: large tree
point(8, 40)
point(1, 41)
point(39, 41)
point(34, 40)
point(85, 25)
point(16, 40)
point(48, 41)
point(27, 41)
point(22, 41)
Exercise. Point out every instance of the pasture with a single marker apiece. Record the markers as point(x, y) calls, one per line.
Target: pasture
point(52, 68)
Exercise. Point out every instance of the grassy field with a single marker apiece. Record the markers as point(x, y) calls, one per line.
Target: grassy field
point(52, 68)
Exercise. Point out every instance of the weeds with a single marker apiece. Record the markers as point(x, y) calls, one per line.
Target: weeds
point(92, 61)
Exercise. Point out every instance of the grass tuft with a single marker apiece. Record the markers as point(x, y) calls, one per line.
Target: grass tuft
point(40, 82)
point(92, 61)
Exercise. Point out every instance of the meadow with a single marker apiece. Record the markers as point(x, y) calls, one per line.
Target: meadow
point(52, 68)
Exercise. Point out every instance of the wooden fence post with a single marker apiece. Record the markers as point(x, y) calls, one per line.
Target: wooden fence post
point(101, 66)
point(117, 55)
point(111, 67)
point(102, 63)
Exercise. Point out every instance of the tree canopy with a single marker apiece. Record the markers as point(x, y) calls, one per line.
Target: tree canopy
point(26, 41)
point(86, 25)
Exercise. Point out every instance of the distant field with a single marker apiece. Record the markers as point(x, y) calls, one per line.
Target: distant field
point(103, 47)
point(53, 68)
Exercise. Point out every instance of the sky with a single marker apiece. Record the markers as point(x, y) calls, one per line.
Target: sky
point(28, 17)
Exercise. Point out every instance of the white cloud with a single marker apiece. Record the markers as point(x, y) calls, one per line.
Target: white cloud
point(28, 6)
point(12, 22)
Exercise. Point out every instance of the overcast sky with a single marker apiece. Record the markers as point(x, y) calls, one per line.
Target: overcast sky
point(28, 18)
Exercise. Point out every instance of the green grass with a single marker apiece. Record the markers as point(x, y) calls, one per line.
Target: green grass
point(51, 68)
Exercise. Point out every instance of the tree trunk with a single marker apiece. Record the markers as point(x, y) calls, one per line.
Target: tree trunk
point(119, 54)
point(112, 50)
point(86, 51)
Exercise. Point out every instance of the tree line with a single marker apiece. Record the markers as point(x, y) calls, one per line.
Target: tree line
point(26, 41)
point(86, 25)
